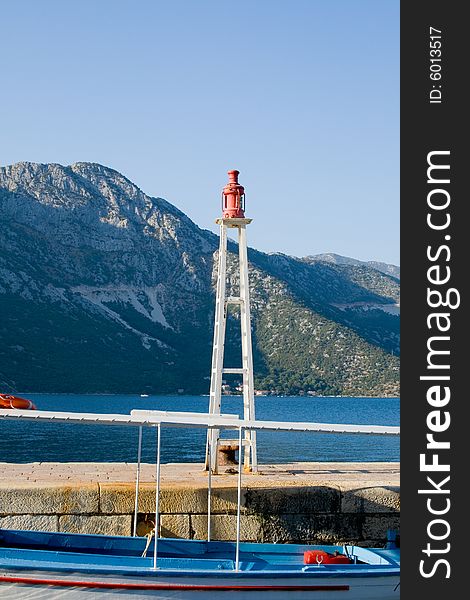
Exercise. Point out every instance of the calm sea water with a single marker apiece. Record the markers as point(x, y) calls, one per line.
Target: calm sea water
point(41, 442)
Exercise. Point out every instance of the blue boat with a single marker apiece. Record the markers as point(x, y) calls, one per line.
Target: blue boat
point(82, 564)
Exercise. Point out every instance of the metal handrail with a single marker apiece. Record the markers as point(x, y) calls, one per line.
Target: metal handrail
point(206, 421)
point(137, 481)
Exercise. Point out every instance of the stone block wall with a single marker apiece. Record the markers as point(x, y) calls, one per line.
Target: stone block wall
point(276, 513)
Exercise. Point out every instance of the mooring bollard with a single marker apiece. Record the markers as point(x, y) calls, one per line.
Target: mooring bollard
point(226, 454)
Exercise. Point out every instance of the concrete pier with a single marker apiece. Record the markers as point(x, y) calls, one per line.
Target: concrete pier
point(296, 502)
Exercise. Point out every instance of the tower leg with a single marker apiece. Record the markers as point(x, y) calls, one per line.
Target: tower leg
point(218, 347)
point(247, 353)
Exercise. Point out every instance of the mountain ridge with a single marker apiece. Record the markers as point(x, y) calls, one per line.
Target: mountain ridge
point(96, 274)
point(338, 259)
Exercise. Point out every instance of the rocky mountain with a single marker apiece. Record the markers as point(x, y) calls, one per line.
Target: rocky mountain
point(337, 259)
point(105, 289)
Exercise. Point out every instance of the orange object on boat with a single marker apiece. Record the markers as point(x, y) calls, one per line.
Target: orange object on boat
point(320, 557)
point(9, 401)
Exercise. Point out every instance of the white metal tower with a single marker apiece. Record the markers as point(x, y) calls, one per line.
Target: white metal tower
point(233, 198)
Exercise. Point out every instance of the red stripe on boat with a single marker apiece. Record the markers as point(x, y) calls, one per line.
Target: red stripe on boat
point(172, 586)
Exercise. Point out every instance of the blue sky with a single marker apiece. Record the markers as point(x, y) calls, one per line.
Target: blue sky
point(302, 97)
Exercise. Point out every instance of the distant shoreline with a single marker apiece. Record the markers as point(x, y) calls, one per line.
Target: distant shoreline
point(138, 395)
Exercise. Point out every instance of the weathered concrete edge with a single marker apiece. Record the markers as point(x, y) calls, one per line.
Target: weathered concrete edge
point(112, 498)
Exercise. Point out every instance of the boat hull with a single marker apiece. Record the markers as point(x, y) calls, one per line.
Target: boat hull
point(58, 565)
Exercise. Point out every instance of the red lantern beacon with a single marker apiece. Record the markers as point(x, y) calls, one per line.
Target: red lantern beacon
point(233, 198)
